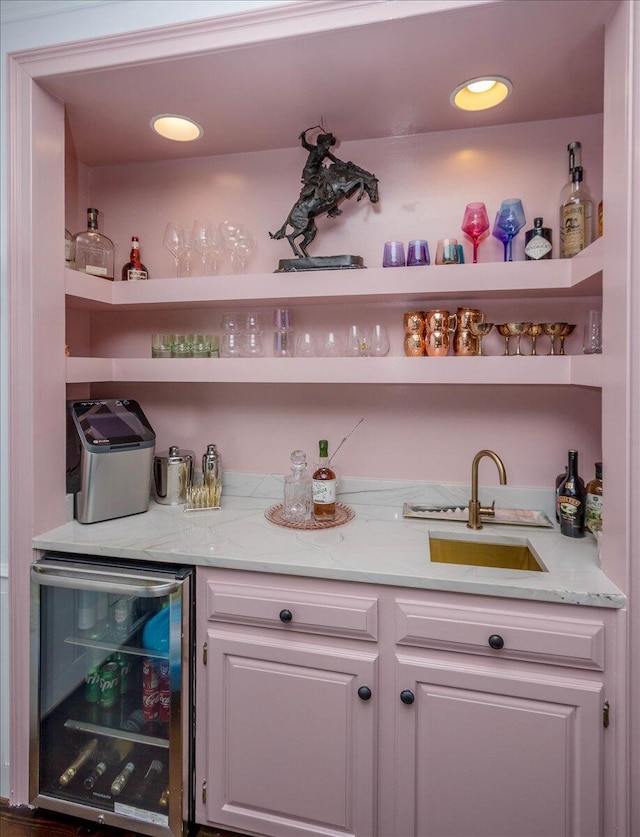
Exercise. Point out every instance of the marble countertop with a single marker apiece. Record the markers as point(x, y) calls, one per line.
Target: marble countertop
point(378, 546)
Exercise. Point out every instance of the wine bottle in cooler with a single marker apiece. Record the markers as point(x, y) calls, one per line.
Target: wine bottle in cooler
point(571, 502)
point(88, 752)
point(115, 751)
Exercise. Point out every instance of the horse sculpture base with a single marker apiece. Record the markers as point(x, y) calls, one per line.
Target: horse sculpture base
point(320, 263)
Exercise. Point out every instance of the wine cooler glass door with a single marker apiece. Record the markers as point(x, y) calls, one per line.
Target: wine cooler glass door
point(110, 675)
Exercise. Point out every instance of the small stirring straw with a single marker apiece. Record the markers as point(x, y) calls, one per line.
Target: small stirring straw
point(345, 439)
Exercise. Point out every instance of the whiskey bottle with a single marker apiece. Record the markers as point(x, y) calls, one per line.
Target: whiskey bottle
point(571, 500)
point(115, 752)
point(89, 751)
point(324, 487)
point(134, 270)
point(94, 252)
point(593, 507)
point(576, 218)
point(537, 242)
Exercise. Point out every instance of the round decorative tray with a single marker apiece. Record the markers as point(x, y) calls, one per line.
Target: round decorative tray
point(344, 513)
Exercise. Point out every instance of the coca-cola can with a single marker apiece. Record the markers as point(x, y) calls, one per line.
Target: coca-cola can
point(109, 685)
point(164, 683)
point(150, 690)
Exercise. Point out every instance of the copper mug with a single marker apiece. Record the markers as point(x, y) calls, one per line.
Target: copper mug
point(439, 319)
point(437, 342)
point(414, 344)
point(413, 322)
point(465, 344)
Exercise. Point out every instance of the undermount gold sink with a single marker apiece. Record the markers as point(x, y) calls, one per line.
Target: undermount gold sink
point(515, 556)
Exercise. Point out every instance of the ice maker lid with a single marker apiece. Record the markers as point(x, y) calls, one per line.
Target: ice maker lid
point(112, 424)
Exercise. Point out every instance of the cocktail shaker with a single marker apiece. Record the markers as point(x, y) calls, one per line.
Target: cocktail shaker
point(172, 475)
point(211, 466)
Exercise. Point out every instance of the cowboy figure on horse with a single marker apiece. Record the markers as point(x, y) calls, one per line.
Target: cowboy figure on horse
point(315, 175)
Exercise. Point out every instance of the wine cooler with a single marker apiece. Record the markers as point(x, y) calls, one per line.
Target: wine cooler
point(112, 697)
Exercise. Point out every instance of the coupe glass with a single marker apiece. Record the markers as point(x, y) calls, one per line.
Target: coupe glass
point(503, 331)
point(553, 330)
point(479, 331)
point(534, 331)
point(475, 224)
point(517, 330)
point(176, 241)
point(509, 221)
point(568, 329)
point(205, 243)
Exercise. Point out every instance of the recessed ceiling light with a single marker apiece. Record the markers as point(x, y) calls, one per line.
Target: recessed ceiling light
point(174, 127)
point(481, 93)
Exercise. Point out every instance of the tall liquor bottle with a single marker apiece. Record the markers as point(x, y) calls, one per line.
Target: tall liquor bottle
point(576, 217)
point(572, 497)
point(574, 150)
point(134, 270)
point(114, 752)
point(94, 252)
point(324, 487)
point(593, 508)
point(537, 242)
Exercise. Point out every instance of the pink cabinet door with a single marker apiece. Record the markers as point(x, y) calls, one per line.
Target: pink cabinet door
point(489, 753)
point(290, 743)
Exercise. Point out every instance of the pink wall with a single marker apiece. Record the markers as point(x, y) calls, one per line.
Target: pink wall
point(422, 432)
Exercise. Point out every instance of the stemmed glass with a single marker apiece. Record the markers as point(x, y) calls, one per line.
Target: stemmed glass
point(566, 331)
point(553, 330)
point(204, 241)
point(503, 330)
point(475, 224)
point(517, 330)
point(176, 241)
point(534, 331)
point(239, 244)
point(509, 221)
point(479, 331)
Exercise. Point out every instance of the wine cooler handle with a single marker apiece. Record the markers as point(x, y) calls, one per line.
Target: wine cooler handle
point(88, 578)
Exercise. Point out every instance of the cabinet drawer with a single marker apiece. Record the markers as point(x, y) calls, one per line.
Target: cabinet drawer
point(559, 641)
point(293, 610)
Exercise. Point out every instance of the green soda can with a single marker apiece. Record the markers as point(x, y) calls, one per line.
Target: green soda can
point(109, 685)
point(124, 664)
point(92, 680)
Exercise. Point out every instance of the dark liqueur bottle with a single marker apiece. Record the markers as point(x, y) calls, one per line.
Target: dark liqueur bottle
point(571, 501)
point(537, 242)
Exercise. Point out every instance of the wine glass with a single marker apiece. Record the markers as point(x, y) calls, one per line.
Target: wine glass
point(242, 250)
point(379, 343)
point(517, 330)
point(176, 241)
point(503, 330)
point(479, 331)
point(566, 331)
point(509, 221)
point(475, 224)
point(534, 331)
point(204, 241)
point(553, 330)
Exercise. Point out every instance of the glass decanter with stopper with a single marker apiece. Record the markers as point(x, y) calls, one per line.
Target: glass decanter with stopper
point(297, 490)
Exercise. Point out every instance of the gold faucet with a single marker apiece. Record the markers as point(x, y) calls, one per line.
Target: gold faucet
point(475, 509)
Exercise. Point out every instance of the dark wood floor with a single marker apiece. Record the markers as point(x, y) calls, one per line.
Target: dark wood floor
point(27, 822)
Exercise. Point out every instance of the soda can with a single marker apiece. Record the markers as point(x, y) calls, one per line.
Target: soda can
point(125, 672)
point(164, 685)
point(150, 690)
point(92, 680)
point(109, 685)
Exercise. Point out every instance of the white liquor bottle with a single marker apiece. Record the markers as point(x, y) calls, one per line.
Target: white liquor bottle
point(576, 218)
point(94, 252)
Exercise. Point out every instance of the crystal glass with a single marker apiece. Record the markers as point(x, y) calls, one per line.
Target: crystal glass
point(418, 253)
point(393, 254)
point(176, 241)
point(230, 345)
point(378, 341)
point(356, 344)
point(238, 243)
point(230, 321)
point(204, 241)
point(447, 252)
point(592, 340)
point(251, 344)
point(510, 219)
point(330, 345)
point(475, 224)
point(306, 345)
point(298, 498)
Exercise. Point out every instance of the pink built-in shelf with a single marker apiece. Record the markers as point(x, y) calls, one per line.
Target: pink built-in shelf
point(581, 276)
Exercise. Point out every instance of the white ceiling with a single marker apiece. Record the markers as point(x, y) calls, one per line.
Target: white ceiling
point(261, 96)
point(11, 10)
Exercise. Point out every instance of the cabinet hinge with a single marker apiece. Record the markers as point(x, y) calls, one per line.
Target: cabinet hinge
point(204, 653)
point(605, 714)
point(204, 792)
